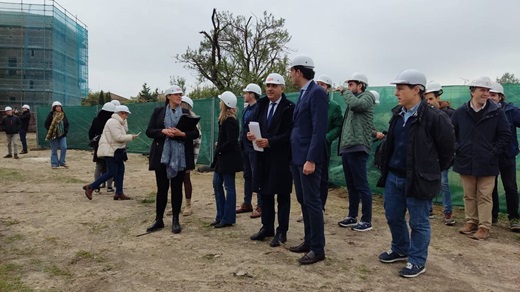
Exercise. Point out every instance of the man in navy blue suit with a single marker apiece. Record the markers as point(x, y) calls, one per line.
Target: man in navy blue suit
point(308, 146)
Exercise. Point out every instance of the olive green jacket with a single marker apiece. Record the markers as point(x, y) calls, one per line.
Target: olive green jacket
point(358, 123)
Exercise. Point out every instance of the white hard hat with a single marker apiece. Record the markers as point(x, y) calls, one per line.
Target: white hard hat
point(359, 77)
point(251, 87)
point(433, 86)
point(303, 60)
point(109, 107)
point(376, 95)
point(56, 103)
point(175, 89)
point(187, 100)
point(115, 102)
point(8, 108)
point(26, 106)
point(274, 78)
point(497, 87)
point(411, 77)
point(122, 108)
point(229, 99)
point(325, 79)
point(482, 81)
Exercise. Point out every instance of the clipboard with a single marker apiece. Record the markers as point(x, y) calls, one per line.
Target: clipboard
point(187, 122)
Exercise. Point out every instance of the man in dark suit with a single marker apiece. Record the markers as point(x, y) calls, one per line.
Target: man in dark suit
point(308, 146)
point(274, 114)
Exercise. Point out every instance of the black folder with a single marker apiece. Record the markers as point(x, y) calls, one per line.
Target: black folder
point(188, 122)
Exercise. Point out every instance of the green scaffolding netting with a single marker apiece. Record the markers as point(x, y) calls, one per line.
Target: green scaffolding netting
point(80, 118)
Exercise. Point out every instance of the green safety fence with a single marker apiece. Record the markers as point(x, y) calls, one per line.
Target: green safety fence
point(80, 118)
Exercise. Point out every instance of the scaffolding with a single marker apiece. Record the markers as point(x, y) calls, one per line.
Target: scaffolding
point(43, 55)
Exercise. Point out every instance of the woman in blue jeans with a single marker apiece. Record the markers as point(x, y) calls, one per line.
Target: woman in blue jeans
point(227, 161)
point(112, 144)
point(57, 127)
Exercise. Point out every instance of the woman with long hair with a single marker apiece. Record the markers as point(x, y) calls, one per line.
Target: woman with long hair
point(227, 161)
point(57, 127)
point(112, 147)
point(171, 154)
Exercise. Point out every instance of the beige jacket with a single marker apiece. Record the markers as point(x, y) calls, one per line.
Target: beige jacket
point(113, 137)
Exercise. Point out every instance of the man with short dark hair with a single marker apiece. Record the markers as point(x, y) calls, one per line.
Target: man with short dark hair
point(308, 146)
point(507, 161)
point(355, 143)
point(418, 146)
point(11, 125)
point(252, 93)
point(482, 133)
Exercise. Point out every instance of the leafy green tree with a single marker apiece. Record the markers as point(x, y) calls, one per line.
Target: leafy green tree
point(179, 81)
point(101, 98)
point(204, 92)
point(508, 78)
point(108, 97)
point(239, 50)
point(145, 95)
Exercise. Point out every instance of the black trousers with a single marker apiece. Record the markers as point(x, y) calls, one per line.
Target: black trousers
point(268, 213)
point(163, 185)
point(324, 182)
point(507, 168)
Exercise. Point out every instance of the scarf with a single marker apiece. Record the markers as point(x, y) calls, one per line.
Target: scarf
point(173, 152)
point(56, 129)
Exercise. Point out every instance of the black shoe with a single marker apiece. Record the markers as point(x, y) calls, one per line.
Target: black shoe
point(278, 239)
point(222, 225)
point(176, 226)
point(8, 156)
point(214, 223)
point(262, 234)
point(157, 225)
point(300, 248)
point(311, 258)
point(24, 152)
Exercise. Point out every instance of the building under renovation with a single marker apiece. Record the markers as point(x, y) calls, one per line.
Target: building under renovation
point(43, 55)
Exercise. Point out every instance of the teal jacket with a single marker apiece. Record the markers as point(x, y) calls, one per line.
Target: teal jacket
point(358, 123)
point(334, 123)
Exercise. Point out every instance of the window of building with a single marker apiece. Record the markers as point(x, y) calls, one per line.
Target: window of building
point(11, 62)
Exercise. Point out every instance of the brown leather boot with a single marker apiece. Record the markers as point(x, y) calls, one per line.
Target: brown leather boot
point(244, 208)
point(482, 233)
point(88, 191)
point(257, 212)
point(468, 228)
point(121, 197)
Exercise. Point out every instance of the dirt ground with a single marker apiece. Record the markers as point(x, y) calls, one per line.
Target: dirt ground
point(53, 239)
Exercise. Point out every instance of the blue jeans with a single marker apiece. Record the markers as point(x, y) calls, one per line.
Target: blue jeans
point(23, 139)
point(115, 170)
point(355, 169)
point(226, 212)
point(307, 188)
point(55, 144)
point(249, 173)
point(446, 193)
point(396, 203)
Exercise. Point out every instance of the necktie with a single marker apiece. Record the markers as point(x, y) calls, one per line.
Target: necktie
point(270, 114)
point(301, 94)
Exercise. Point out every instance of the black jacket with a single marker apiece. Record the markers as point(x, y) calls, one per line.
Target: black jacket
point(97, 126)
point(272, 172)
point(25, 117)
point(48, 122)
point(155, 126)
point(228, 156)
point(480, 143)
point(429, 151)
point(11, 124)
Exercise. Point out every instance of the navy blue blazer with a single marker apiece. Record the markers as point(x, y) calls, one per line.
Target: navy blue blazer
point(308, 142)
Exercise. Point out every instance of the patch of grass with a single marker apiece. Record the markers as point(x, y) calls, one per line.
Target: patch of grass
point(364, 272)
point(149, 199)
point(72, 180)
point(21, 252)
point(10, 278)
point(14, 238)
point(85, 255)
point(9, 221)
point(55, 271)
point(11, 175)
